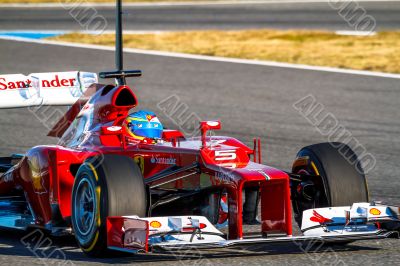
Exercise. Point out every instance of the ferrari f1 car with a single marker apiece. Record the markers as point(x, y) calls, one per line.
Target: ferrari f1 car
point(172, 193)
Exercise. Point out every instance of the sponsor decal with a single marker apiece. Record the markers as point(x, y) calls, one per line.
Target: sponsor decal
point(10, 85)
point(152, 118)
point(163, 160)
point(140, 161)
point(37, 175)
point(56, 82)
point(375, 211)
point(155, 224)
point(318, 218)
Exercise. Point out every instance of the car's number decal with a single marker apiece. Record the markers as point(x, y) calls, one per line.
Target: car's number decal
point(225, 155)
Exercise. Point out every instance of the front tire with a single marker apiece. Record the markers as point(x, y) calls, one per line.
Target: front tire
point(108, 185)
point(341, 172)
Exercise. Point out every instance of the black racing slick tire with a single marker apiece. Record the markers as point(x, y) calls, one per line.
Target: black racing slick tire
point(108, 185)
point(343, 179)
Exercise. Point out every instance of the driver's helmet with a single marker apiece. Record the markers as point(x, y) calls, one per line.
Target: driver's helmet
point(144, 125)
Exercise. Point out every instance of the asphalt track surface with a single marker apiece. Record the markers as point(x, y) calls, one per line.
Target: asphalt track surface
point(251, 101)
point(282, 16)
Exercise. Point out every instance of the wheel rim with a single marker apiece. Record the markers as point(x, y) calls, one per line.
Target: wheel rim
point(84, 207)
point(301, 206)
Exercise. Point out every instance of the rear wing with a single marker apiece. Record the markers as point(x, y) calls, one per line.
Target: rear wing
point(56, 88)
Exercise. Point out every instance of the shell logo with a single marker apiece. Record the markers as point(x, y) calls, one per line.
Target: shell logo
point(155, 224)
point(374, 211)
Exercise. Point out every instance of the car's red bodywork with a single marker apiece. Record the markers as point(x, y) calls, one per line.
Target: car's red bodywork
point(94, 126)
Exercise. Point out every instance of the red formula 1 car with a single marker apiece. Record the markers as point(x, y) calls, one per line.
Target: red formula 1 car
point(175, 192)
point(170, 193)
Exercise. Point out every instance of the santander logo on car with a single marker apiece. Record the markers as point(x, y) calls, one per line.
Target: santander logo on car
point(10, 82)
point(14, 82)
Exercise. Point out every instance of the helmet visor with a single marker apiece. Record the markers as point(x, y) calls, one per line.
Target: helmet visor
point(147, 129)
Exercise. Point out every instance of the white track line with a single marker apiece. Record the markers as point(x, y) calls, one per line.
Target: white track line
point(209, 58)
point(166, 4)
point(355, 33)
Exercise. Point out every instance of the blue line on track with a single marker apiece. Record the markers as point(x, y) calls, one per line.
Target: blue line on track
point(30, 34)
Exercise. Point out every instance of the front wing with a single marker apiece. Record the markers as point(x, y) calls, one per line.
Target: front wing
point(361, 221)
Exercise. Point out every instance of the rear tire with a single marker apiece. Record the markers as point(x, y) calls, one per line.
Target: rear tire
point(109, 185)
point(341, 172)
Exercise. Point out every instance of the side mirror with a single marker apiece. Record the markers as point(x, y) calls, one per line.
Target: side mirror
point(206, 126)
point(111, 130)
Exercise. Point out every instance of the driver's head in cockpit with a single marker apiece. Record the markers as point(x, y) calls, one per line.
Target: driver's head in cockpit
point(143, 125)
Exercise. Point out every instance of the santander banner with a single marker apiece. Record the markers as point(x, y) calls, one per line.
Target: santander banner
point(56, 88)
point(11, 82)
